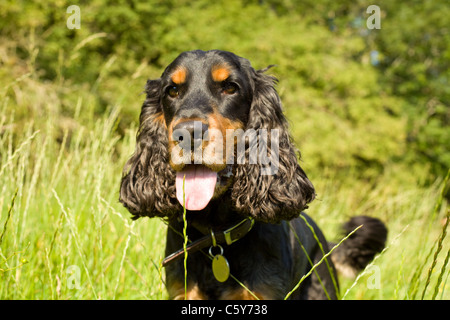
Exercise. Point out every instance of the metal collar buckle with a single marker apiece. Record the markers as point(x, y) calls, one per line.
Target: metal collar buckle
point(227, 233)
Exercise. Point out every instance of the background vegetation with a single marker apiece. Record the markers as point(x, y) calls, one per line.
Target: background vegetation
point(369, 110)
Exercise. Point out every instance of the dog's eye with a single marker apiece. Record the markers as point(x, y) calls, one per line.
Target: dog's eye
point(230, 88)
point(172, 91)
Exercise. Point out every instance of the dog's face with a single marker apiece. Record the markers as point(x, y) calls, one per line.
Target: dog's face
point(212, 123)
point(206, 99)
point(211, 87)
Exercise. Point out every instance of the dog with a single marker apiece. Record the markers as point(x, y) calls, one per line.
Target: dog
point(213, 146)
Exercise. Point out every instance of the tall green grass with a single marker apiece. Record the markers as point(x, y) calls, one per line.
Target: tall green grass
point(66, 213)
point(59, 179)
point(64, 235)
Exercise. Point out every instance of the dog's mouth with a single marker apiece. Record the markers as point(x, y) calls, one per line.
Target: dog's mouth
point(200, 185)
point(200, 155)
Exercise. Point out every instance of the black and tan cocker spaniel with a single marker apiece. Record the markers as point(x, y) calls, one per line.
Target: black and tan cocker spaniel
point(213, 138)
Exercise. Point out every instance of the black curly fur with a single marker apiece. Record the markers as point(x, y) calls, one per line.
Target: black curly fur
point(148, 183)
point(282, 196)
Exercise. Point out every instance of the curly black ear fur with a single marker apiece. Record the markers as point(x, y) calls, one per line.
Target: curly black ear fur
point(284, 194)
point(148, 183)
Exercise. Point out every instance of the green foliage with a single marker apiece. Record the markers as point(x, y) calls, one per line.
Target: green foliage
point(416, 47)
point(373, 130)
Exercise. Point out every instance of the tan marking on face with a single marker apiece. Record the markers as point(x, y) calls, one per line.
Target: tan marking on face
point(179, 75)
point(223, 125)
point(159, 119)
point(220, 72)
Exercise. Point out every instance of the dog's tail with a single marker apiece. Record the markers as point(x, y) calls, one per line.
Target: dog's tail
point(355, 253)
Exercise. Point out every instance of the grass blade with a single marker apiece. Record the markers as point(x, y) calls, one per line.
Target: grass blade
point(373, 262)
point(442, 235)
point(318, 263)
point(441, 275)
point(8, 215)
point(122, 260)
point(435, 257)
point(185, 239)
point(74, 234)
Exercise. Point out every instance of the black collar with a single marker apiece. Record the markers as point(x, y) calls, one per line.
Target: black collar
point(213, 238)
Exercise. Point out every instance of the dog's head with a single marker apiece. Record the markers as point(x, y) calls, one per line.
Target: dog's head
point(212, 123)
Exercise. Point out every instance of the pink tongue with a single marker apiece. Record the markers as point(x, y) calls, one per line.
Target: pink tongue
point(199, 186)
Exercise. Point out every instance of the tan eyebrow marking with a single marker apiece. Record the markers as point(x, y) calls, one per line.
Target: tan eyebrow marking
point(179, 75)
point(220, 73)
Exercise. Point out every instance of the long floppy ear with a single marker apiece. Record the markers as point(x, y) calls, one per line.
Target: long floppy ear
point(284, 190)
point(148, 183)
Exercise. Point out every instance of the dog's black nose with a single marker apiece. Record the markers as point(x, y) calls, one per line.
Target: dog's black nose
point(190, 132)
